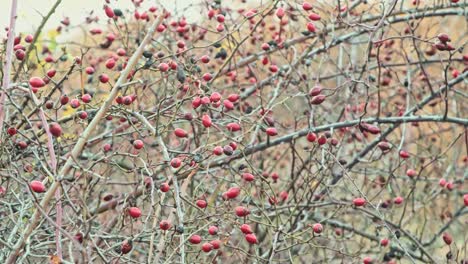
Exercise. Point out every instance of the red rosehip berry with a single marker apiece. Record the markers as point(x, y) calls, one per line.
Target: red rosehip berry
point(233, 127)
point(64, 99)
point(55, 129)
point(311, 27)
point(233, 192)
point(134, 212)
point(367, 260)
point(127, 100)
point(29, 38)
point(138, 144)
point(195, 239)
point(126, 247)
point(384, 242)
point(359, 201)
point(206, 120)
point(79, 237)
point(242, 211)
point(205, 59)
point(12, 131)
point(450, 186)
point(51, 73)
point(22, 144)
point(37, 186)
point(161, 28)
point(110, 37)
point(372, 129)
point(179, 132)
point(316, 100)
point(121, 52)
point(274, 176)
point(283, 195)
point(110, 63)
point(109, 12)
point(322, 140)
point(89, 70)
point(164, 187)
point(163, 67)
point(447, 238)
point(411, 173)
point(338, 232)
point(220, 27)
point(251, 238)
point(36, 82)
point(205, 100)
point(306, 6)
point(75, 103)
point(311, 137)
point(216, 243)
point(218, 150)
point(398, 200)
point(273, 68)
point(384, 146)
point(20, 54)
point(207, 77)
point(246, 229)
point(404, 154)
point(83, 115)
point(442, 182)
point(314, 17)
point(280, 12)
point(228, 105)
point(444, 38)
point(271, 131)
point(248, 177)
point(180, 44)
point(176, 163)
point(215, 97)
point(107, 147)
point(233, 98)
point(86, 98)
point(164, 225)
point(220, 18)
point(213, 230)
point(233, 145)
point(318, 228)
point(201, 204)
point(316, 90)
point(207, 247)
point(104, 78)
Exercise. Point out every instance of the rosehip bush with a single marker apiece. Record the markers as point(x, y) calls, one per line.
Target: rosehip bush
point(286, 131)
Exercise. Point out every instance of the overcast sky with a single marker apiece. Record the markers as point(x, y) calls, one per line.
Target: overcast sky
point(29, 11)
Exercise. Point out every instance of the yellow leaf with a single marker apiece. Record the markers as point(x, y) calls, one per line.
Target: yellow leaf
point(55, 259)
point(67, 136)
point(69, 111)
point(52, 34)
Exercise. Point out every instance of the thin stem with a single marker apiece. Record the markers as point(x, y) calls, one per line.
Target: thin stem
point(7, 66)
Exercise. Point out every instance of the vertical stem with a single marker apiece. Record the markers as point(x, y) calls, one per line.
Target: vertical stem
point(53, 165)
point(7, 67)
